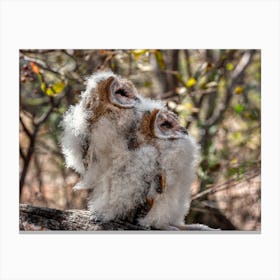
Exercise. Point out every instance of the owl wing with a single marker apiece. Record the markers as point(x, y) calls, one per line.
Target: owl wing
point(74, 141)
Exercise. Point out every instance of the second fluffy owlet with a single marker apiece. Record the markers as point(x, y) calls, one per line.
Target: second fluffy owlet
point(177, 154)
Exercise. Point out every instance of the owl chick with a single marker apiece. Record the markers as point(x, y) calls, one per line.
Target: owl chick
point(97, 144)
point(128, 177)
point(177, 153)
point(104, 112)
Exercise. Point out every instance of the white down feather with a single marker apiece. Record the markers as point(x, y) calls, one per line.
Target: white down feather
point(76, 127)
point(178, 159)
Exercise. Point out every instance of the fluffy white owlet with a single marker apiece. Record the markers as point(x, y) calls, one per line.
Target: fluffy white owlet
point(177, 154)
point(104, 112)
point(97, 144)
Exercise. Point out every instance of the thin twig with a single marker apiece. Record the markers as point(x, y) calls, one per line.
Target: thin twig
point(26, 130)
point(48, 69)
point(22, 154)
point(189, 70)
point(228, 184)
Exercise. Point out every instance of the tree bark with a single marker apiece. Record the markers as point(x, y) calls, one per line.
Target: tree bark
point(33, 218)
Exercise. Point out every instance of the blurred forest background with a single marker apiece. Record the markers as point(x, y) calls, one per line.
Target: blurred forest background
point(216, 93)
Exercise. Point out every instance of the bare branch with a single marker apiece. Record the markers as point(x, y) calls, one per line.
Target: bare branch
point(228, 184)
point(23, 156)
point(189, 70)
point(41, 218)
point(26, 130)
point(238, 72)
point(45, 116)
point(242, 65)
point(43, 66)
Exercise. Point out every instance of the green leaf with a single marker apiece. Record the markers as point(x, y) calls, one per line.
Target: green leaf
point(43, 87)
point(239, 108)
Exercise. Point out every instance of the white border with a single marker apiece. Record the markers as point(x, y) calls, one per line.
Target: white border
point(153, 24)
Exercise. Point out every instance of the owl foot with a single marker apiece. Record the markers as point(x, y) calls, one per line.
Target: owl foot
point(195, 227)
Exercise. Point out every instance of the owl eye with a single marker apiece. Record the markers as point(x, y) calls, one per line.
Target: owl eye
point(123, 94)
point(166, 125)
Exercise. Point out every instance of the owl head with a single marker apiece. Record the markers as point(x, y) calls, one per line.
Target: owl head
point(166, 125)
point(107, 93)
point(161, 124)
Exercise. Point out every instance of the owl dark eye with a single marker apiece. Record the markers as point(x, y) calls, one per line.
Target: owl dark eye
point(122, 92)
point(166, 125)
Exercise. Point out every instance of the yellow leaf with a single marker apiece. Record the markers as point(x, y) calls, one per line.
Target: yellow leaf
point(239, 90)
point(191, 82)
point(138, 53)
point(55, 89)
point(43, 87)
point(58, 87)
point(49, 91)
point(188, 106)
point(229, 66)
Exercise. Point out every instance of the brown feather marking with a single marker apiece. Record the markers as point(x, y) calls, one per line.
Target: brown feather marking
point(163, 180)
point(150, 201)
point(148, 125)
point(160, 181)
point(101, 99)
